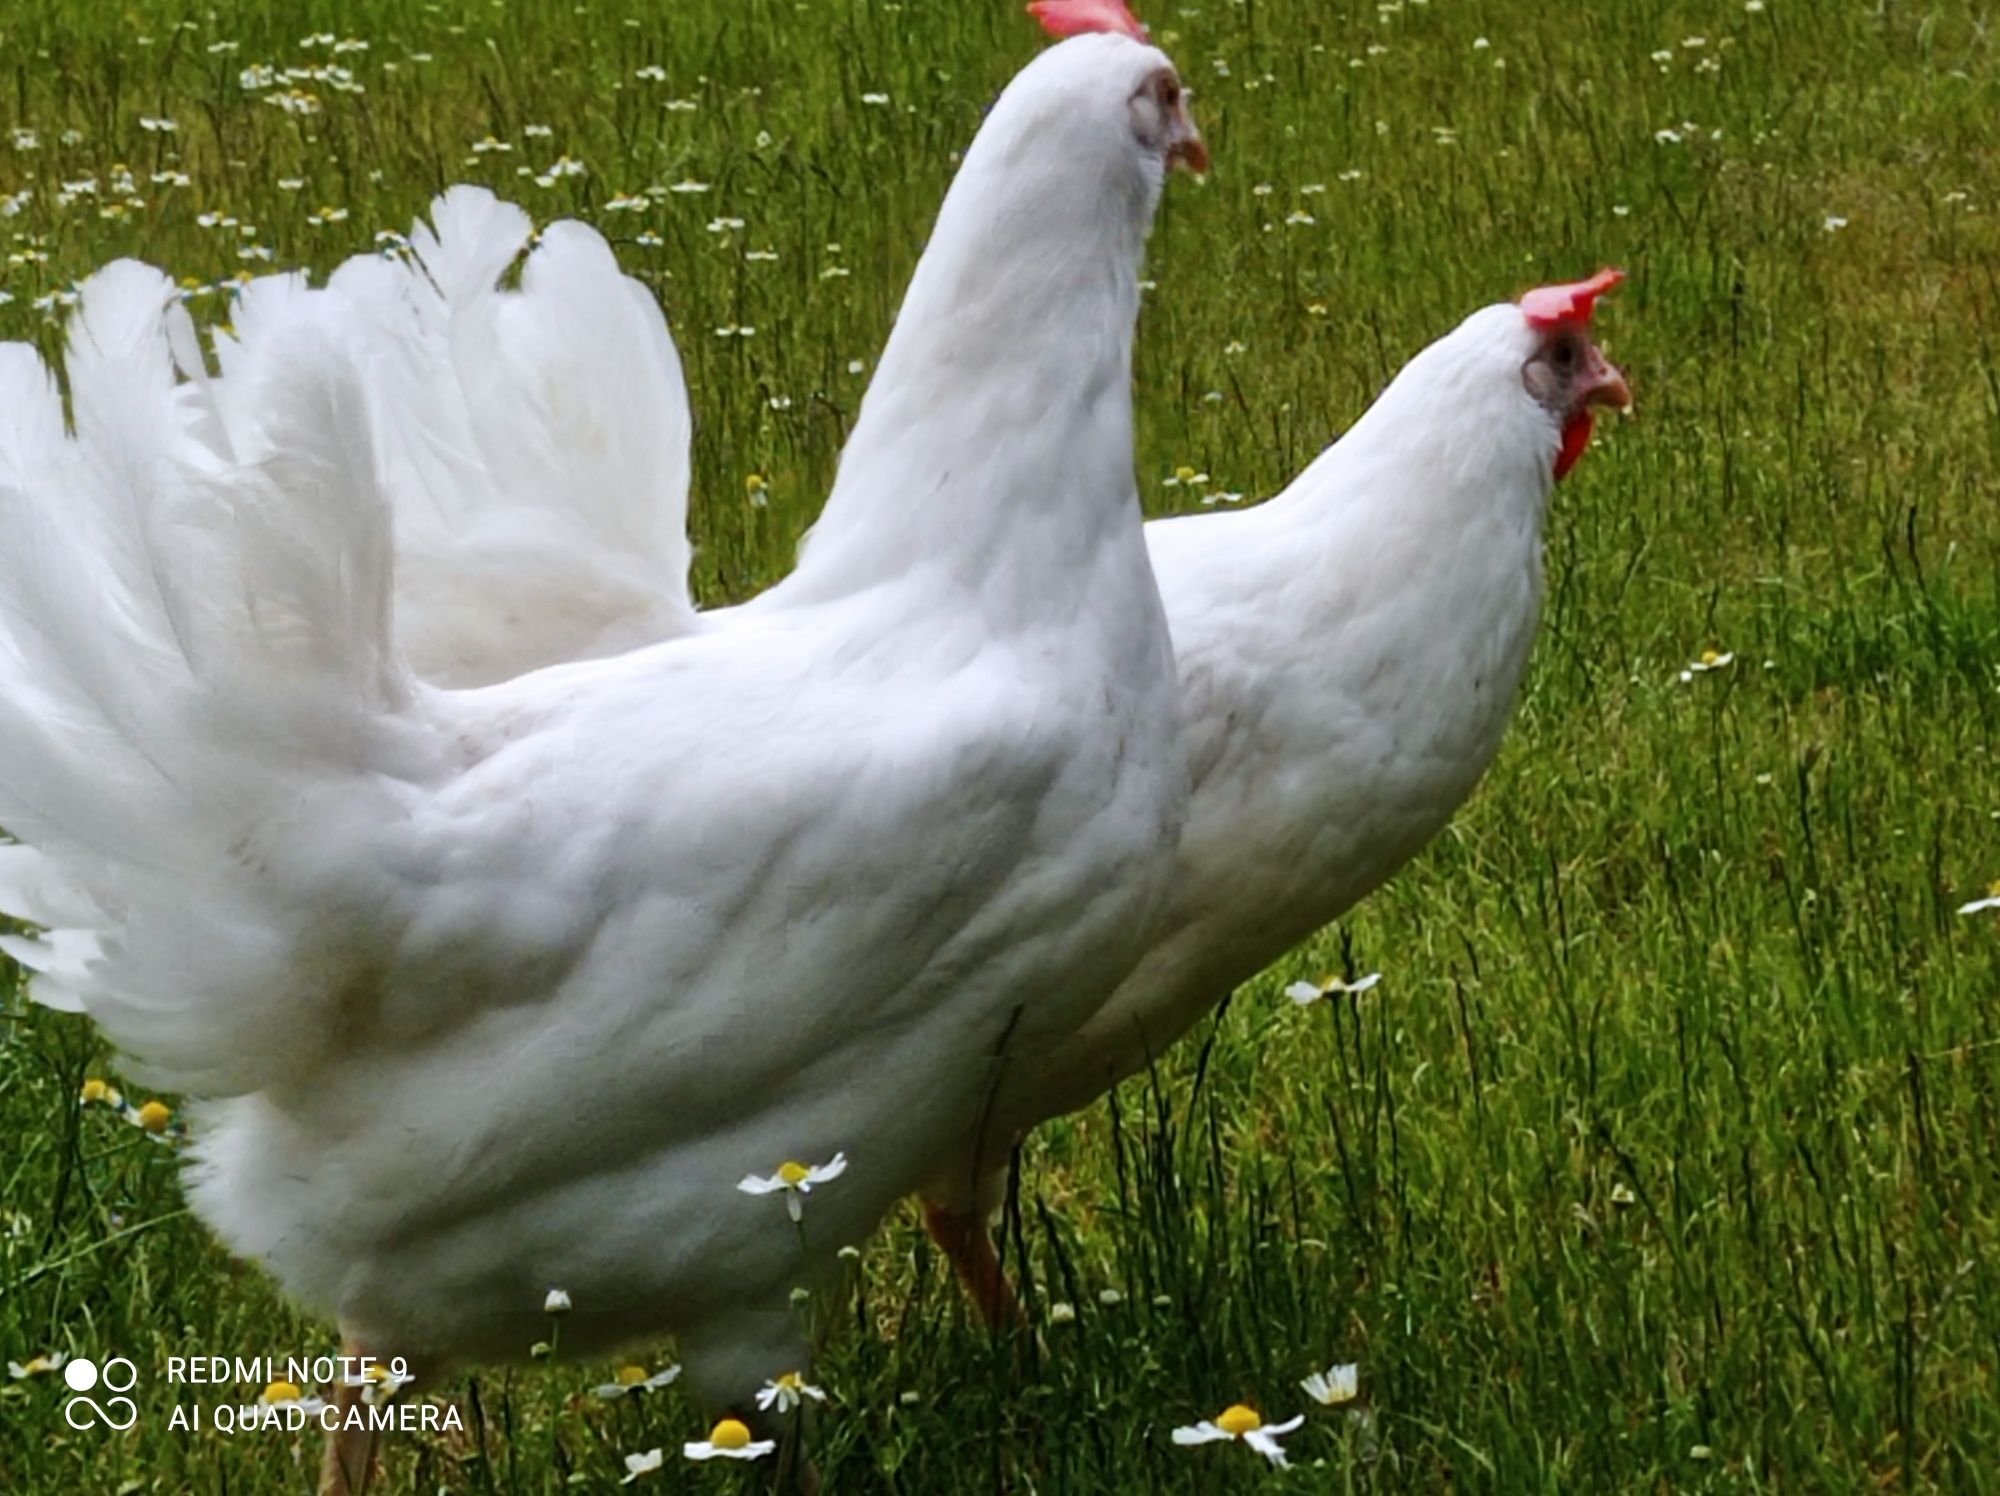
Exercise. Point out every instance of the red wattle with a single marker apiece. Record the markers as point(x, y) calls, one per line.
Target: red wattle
point(1576, 436)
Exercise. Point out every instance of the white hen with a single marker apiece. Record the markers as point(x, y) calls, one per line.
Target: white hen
point(500, 989)
point(1349, 656)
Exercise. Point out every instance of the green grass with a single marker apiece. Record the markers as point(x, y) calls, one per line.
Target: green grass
point(1664, 1157)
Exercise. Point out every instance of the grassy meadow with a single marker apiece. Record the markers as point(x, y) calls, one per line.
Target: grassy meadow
point(1666, 1153)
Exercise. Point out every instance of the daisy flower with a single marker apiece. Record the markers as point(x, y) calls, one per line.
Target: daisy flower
point(1711, 659)
point(155, 1117)
point(557, 1302)
point(637, 1465)
point(630, 1381)
point(36, 1366)
point(1990, 901)
point(729, 1440)
point(1303, 993)
point(796, 1180)
point(288, 1395)
point(1242, 1424)
point(377, 1382)
point(787, 1392)
point(1334, 1386)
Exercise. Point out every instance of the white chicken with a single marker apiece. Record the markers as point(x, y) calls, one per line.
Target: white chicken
point(494, 991)
point(1349, 655)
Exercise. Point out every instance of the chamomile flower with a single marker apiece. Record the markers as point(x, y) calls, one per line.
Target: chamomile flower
point(288, 1395)
point(796, 1180)
point(632, 1381)
point(36, 1366)
point(1990, 901)
point(1184, 476)
point(154, 1116)
point(1711, 659)
point(637, 1465)
point(556, 1301)
point(377, 1382)
point(788, 1392)
point(97, 1092)
point(1244, 1425)
point(1334, 1386)
point(729, 1440)
point(1305, 993)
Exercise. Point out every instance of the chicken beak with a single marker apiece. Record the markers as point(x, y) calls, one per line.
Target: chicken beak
point(1604, 384)
point(1188, 148)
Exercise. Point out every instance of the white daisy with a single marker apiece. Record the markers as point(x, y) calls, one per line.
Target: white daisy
point(1243, 1424)
point(378, 1383)
point(288, 1395)
point(1334, 1386)
point(637, 1465)
point(796, 1180)
point(729, 1440)
point(556, 1302)
point(630, 1381)
point(1304, 993)
point(1711, 659)
point(1990, 901)
point(787, 1392)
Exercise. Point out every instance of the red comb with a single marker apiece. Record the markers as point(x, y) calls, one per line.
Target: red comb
point(1075, 17)
point(1548, 305)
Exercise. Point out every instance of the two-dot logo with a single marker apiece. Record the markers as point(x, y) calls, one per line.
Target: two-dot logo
point(84, 1374)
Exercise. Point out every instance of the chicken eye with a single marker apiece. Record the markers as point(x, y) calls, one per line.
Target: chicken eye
point(1563, 355)
point(1168, 91)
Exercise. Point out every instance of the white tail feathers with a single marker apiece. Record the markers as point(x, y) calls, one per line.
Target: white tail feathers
point(213, 579)
point(534, 439)
point(194, 654)
point(536, 442)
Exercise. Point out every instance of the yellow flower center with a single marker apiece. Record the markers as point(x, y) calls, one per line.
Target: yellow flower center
point(279, 1392)
point(95, 1090)
point(1237, 1420)
point(1993, 889)
point(793, 1173)
point(790, 1381)
point(1710, 656)
point(1184, 473)
point(754, 483)
point(155, 1115)
point(729, 1434)
point(630, 1376)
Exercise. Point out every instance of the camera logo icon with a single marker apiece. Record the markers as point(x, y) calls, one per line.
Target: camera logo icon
point(83, 1376)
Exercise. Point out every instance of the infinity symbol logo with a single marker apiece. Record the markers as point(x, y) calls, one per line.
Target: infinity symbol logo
point(82, 1374)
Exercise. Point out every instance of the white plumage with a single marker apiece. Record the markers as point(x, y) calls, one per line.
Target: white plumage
point(501, 989)
point(1349, 655)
